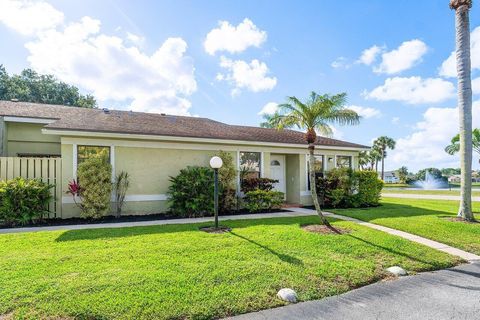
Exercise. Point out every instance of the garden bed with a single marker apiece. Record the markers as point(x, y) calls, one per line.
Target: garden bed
point(124, 218)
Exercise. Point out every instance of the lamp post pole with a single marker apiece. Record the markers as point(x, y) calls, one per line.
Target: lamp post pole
point(215, 190)
point(215, 163)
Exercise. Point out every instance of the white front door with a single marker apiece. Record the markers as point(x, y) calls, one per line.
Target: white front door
point(277, 172)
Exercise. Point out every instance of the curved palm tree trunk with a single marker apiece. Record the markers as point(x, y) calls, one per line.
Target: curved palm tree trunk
point(383, 165)
point(462, 26)
point(313, 186)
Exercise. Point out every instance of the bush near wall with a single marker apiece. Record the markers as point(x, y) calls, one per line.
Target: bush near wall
point(345, 188)
point(252, 184)
point(95, 178)
point(263, 200)
point(191, 192)
point(23, 201)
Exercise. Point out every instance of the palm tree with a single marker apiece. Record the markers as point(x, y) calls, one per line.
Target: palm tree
point(316, 113)
point(375, 157)
point(454, 145)
point(402, 174)
point(363, 160)
point(383, 143)
point(462, 27)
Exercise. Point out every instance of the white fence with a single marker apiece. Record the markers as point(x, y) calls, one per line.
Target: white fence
point(49, 170)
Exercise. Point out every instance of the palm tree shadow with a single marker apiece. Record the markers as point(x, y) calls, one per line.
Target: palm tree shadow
point(284, 257)
point(396, 252)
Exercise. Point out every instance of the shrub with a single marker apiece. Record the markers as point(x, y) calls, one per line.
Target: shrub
point(345, 188)
point(227, 176)
point(23, 200)
point(95, 189)
point(122, 183)
point(252, 184)
point(191, 192)
point(263, 200)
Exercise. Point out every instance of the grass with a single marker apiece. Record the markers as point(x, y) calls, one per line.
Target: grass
point(396, 185)
point(426, 218)
point(445, 192)
point(179, 272)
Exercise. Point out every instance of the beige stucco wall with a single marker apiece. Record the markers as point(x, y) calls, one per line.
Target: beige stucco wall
point(151, 164)
point(28, 138)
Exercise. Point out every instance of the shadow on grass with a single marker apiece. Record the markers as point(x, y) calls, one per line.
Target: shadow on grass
point(396, 252)
point(122, 232)
point(281, 256)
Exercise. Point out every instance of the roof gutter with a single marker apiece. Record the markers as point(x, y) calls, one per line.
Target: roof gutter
point(97, 134)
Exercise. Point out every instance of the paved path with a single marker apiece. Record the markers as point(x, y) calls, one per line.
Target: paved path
point(295, 212)
point(440, 295)
point(424, 196)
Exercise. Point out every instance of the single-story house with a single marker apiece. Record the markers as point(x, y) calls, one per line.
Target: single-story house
point(389, 177)
point(153, 147)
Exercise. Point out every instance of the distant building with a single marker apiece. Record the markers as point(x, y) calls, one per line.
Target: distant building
point(389, 177)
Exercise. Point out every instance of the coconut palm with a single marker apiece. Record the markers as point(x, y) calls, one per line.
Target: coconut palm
point(383, 143)
point(464, 87)
point(317, 113)
point(454, 145)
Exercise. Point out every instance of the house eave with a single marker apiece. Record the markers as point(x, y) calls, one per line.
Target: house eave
point(96, 134)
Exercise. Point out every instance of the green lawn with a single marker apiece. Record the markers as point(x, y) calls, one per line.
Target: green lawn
point(396, 185)
point(426, 218)
point(433, 192)
point(179, 272)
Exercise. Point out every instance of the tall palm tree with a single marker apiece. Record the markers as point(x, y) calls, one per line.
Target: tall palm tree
point(316, 113)
point(383, 143)
point(454, 145)
point(375, 157)
point(363, 160)
point(462, 28)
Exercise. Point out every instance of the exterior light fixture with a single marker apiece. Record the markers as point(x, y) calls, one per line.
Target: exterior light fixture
point(216, 163)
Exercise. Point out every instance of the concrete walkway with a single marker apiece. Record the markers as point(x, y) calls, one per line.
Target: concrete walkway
point(424, 196)
point(446, 294)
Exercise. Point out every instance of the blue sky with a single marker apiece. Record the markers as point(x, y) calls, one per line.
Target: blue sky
point(226, 60)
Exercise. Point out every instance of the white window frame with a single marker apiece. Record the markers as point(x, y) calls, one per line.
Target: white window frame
point(261, 167)
point(324, 167)
point(344, 155)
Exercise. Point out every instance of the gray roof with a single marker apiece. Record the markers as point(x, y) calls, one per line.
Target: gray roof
point(127, 122)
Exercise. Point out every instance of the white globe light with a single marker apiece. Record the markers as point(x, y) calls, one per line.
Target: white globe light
point(216, 162)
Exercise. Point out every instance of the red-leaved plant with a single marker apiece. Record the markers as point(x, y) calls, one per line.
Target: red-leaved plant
point(75, 190)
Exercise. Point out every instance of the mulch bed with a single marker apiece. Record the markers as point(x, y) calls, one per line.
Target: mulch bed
point(319, 228)
point(220, 229)
point(113, 219)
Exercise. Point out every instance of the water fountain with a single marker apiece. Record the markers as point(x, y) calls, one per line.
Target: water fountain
point(430, 182)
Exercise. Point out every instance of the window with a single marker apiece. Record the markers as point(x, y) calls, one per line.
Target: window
point(344, 161)
point(274, 163)
point(317, 167)
point(87, 152)
point(250, 165)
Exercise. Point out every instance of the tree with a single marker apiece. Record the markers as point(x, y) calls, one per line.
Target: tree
point(383, 143)
point(454, 145)
point(29, 86)
point(464, 87)
point(316, 113)
point(434, 172)
point(375, 156)
point(363, 160)
point(403, 174)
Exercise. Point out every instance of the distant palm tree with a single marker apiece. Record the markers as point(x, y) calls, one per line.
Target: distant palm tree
point(383, 143)
point(402, 174)
point(316, 113)
point(454, 145)
point(464, 87)
point(363, 160)
point(375, 156)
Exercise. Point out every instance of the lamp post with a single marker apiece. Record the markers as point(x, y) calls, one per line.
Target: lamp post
point(216, 163)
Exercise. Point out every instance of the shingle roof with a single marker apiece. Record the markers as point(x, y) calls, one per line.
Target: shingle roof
point(115, 121)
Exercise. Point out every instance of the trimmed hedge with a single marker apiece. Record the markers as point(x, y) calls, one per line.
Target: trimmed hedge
point(23, 201)
point(345, 188)
point(263, 200)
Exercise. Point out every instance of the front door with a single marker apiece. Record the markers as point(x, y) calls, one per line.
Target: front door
point(277, 172)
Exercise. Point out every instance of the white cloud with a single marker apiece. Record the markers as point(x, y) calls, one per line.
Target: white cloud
point(336, 133)
point(395, 120)
point(369, 55)
point(136, 39)
point(340, 62)
point(413, 90)
point(234, 39)
point(243, 75)
point(425, 147)
point(365, 112)
point(105, 66)
point(476, 85)
point(28, 17)
point(449, 69)
point(403, 58)
point(269, 108)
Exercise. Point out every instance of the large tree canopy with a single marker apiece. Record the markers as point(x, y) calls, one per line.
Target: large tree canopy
point(29, 86)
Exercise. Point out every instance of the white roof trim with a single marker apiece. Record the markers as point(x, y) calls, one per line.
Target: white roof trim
point(28, 120)
point(186, 139)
